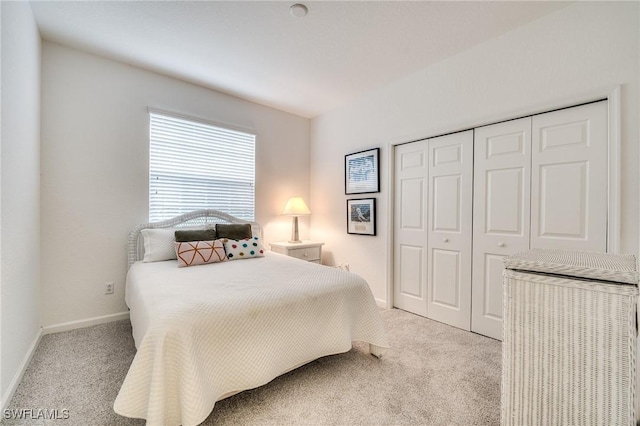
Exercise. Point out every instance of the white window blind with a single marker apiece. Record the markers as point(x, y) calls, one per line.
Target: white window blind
point(194, 165)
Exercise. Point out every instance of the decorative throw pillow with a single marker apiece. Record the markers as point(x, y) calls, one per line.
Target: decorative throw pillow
point(195, 235)
point(192, 253)
point(158, 245)
point(243, 249)
point(234, 231)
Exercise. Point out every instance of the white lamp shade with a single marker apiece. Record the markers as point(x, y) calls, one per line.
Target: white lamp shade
point(296, 207)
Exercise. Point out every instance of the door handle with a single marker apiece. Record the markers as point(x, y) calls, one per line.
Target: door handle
point(501, 244)
point(445, 240)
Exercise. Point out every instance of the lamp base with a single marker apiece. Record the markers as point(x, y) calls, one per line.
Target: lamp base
point(295, 239)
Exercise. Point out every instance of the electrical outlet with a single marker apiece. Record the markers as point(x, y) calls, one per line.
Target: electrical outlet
point(108, 288)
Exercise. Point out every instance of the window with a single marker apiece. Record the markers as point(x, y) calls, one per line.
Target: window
point(194, 165)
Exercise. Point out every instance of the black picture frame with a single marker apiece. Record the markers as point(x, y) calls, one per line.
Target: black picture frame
point(362, 172)
point(361, 216)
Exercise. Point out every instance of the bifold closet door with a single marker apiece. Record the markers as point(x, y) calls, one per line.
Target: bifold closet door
point(410, 227)
point(539, 182)
point(501, 214)
point(449, 237)
point(569, 186)
point(535, 182)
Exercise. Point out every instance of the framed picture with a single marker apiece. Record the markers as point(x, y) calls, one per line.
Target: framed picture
point(362, 172)
point(361, 216)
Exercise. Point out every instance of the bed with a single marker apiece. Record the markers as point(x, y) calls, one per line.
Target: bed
point(206, 332)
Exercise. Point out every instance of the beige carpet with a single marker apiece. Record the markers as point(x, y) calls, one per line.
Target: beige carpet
point(433, 375)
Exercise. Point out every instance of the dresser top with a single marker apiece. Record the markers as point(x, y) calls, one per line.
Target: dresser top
point(303, 244)
point(600, 266)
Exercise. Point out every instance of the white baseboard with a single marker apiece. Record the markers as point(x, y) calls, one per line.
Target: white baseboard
point(17, 378)
point(87, 322)
point(381, 303)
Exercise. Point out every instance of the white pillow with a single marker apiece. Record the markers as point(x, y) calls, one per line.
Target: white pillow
point(159, 244)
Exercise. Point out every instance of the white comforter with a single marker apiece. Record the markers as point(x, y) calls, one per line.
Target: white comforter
point(207, 332)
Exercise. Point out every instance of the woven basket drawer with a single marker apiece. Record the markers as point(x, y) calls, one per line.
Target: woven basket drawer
point(569, 349)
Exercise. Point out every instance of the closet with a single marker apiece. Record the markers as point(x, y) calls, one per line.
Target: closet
point(466, 200)
point(433, 224)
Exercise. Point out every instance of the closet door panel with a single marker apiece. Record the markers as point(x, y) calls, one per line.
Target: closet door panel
point(502, 169)
point(410, 228)
point(505, 194)
point(569, 179)
point(492, 292)
point(449, 222)
point(446, 278)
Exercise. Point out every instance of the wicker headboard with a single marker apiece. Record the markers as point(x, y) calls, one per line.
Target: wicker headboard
point(196, 218)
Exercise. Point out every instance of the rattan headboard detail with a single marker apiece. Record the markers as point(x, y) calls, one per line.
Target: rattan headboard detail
point(195, 218)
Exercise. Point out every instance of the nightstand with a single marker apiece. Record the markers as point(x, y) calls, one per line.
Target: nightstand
point(310, 251)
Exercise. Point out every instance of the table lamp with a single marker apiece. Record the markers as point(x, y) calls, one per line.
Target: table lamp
point(295, 207)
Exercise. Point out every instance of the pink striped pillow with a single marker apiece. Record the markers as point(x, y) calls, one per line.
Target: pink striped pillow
point(200, 252)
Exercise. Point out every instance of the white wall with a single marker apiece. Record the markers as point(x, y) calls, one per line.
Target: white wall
point(95, 170)
point(576, 50)
point(20, 189)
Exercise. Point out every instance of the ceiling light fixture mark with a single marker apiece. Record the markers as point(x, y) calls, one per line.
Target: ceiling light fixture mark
point(298, 10)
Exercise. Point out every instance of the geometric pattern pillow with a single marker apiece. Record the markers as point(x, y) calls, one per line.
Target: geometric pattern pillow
point(200, 252)
point(243, 249)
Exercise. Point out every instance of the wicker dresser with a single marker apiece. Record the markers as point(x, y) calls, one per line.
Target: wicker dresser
point(569, 339)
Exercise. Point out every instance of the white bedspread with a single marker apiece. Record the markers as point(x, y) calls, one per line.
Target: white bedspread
point(207, 332)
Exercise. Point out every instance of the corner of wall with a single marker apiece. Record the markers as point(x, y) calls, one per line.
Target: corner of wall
point(7, 394)
point(19, 204)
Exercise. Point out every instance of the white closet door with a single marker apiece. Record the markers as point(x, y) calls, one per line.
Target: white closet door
point(501, 214)
point(450, 221)
point(569, 179)
point(410, 228)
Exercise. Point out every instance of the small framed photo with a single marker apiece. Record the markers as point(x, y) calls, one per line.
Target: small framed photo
point(361, 216)
point(362, 172)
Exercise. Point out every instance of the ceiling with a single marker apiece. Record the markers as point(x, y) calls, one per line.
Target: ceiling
point(260, 52)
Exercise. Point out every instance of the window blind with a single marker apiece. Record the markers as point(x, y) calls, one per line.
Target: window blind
point(195, 165)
